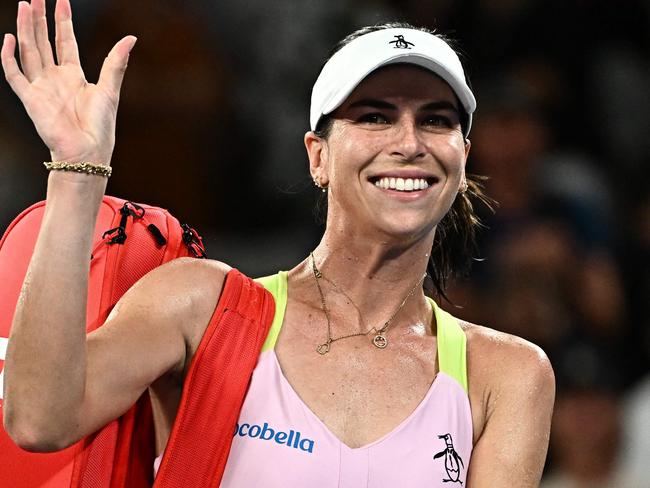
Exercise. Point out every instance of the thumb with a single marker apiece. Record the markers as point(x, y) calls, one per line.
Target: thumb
point(114, 67)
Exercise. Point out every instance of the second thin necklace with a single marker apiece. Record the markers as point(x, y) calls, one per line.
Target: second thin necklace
point(379, 340)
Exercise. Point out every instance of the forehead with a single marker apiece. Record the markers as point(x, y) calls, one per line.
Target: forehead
point(403, 81)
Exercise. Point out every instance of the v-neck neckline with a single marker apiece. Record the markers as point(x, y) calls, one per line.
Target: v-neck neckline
point(386, 437)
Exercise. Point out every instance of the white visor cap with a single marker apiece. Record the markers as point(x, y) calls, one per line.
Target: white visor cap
point(351, 64)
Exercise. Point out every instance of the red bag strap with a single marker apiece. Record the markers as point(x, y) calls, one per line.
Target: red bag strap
point(216, 384)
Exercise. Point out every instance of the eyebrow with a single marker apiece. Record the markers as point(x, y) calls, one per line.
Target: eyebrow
point(373, 103)
point(382, 104)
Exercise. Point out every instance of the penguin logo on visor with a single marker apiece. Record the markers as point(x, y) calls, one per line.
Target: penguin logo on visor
point(401, 43)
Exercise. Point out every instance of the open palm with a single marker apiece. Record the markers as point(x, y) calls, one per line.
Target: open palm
point(75, 119)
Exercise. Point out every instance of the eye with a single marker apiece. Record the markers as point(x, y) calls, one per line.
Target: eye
point(437, 120)
point(373, 118)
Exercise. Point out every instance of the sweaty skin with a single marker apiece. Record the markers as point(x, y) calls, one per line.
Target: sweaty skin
point(61, 385)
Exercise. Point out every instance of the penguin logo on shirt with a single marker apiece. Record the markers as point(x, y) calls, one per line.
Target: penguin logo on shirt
point(453, 462)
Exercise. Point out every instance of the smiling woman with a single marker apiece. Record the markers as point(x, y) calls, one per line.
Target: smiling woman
point(363, 380)
point(459, 225)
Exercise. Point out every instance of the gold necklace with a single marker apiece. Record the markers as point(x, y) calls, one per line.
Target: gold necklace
point(379, 340)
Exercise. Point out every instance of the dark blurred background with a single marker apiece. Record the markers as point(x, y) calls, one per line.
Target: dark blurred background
point(213, 111)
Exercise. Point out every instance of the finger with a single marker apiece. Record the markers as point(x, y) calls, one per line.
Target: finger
point(30, 59)
point(40, 31)
point(67, 51)
point(17, 81)
point(114, 67)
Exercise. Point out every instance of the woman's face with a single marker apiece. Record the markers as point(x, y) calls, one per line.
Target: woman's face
point(395, 157)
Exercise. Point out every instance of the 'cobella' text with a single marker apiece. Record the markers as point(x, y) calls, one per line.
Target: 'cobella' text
point(292, 438)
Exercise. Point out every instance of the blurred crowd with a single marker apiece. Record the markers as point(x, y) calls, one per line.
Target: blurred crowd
point(213, 111)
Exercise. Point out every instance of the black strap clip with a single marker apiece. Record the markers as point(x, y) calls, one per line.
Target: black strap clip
point(118, 234)
point(193, 241)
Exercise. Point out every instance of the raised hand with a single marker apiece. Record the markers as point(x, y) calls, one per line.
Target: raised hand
point(75, 119)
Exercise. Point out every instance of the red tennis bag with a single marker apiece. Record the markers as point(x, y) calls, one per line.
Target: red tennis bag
point(130, 240)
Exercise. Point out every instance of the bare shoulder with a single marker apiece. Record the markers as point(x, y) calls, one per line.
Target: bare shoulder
point(180, 284)
point(192, 276)
point(505, 357)
point(507, 376)
point(182, 293)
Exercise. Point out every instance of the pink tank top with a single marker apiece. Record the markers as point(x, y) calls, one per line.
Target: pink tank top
point(279, 442)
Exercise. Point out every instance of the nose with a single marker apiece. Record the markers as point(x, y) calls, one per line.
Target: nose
point(407, 143)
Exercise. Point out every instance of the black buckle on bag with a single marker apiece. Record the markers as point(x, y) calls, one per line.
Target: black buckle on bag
point(193, 241)
point(119, 233)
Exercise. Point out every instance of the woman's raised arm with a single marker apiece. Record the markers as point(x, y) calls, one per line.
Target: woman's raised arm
point(58, 386)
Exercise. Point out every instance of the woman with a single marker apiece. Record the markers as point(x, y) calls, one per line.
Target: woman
point(383, 386)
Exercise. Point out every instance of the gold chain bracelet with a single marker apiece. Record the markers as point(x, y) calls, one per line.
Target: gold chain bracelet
point(84, 167)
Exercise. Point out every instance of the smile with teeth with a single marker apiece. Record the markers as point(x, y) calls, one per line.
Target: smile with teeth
point(402, 184)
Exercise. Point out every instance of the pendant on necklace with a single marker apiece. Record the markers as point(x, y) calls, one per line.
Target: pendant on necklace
point(380, 341)
point(323, 348)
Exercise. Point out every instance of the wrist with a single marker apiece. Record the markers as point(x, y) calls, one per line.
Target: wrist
point(86, 186)
point(103, 159)
point(73, 202)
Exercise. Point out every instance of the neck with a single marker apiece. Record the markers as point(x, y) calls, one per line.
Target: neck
point(375, 276)
point(363, 264)
point(363, 256)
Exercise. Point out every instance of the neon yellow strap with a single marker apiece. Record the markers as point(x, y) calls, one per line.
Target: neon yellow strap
point(452, 346)
point(277, 285)
point(452, 343)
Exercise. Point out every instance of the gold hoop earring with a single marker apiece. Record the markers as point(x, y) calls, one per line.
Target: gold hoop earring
point(319, 185)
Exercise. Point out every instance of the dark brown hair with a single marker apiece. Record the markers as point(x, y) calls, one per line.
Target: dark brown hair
point(454, 244)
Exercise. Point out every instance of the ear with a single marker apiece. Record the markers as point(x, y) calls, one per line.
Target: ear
point(463, 180)
point(468, 145)
point(318, 153)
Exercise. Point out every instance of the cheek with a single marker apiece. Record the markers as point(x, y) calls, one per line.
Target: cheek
point(450, 152)
point(348, 154)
